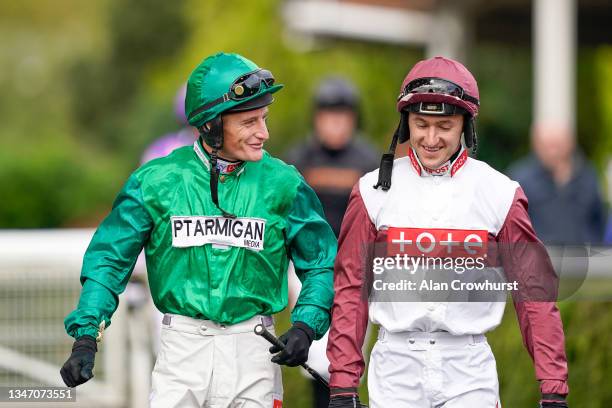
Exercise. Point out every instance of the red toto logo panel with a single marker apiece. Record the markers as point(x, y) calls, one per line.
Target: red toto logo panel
point(437, 242)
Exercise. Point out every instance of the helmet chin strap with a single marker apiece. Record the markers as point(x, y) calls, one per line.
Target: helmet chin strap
point(474, 147)
point(386, 163)
point(214, 184)
point(214, 178)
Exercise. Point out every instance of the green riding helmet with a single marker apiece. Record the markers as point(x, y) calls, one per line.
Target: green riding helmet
point(224, 82)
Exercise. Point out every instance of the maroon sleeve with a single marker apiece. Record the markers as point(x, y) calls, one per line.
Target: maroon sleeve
point(350, 309)
point(525, 260)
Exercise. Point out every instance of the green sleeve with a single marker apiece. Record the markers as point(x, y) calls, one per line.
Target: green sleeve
point(109, 261)
point(312, 246)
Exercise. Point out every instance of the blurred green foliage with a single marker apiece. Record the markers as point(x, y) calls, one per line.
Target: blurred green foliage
point(587, 326)
point(87, 85)
point(142, 33)
point(51, 188)
point(504, 80)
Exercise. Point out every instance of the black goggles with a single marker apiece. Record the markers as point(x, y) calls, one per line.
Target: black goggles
point(243, 87)
point(437, 86)
point(249, 84)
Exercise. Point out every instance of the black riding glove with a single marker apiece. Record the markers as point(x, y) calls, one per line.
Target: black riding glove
point(344, 398)
point(297, 341)
point(79, 366)
point(553, 401)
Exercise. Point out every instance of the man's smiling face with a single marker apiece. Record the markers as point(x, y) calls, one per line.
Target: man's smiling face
point(435, 138)
point(244, 134)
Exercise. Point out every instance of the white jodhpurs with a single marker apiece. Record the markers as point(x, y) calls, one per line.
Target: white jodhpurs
point(207, 365)
point(432, 370)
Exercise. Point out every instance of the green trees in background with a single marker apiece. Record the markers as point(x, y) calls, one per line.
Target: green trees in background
point(68, 103)
point(102, 89)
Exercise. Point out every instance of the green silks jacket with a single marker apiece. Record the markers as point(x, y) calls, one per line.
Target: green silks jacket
point(205, 266)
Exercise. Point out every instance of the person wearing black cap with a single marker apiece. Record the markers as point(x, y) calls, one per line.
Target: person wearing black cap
point(336, 154)
point(333, 158)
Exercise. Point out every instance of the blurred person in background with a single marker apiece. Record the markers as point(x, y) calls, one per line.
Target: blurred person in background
point(565, 203)
point(166, 144)
point(200, 213)
point(336, 154)
point(332, 159)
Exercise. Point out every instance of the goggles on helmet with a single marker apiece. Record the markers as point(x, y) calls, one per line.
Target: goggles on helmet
point(249, 84)
point(435, 108)
point(437, 86)
point(243, 87)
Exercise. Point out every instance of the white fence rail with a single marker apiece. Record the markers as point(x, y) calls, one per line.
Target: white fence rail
point(39, 286)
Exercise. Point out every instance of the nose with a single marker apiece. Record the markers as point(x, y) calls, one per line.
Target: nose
point(262, 131)
point(431, 137)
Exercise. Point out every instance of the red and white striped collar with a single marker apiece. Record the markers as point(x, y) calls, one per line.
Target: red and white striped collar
point(224, 166)
point(446, 169)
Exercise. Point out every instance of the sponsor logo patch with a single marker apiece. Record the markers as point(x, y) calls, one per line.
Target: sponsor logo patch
point(219, 231)
point(437, 242)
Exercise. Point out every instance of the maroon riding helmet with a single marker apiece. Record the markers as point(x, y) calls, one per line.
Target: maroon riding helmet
point(436, 86)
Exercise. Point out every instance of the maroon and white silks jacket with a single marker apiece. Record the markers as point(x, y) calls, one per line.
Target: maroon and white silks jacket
point(468, 196)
